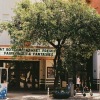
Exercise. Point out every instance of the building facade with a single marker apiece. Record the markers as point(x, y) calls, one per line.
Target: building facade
point(95, 4)
point(34, 68)
point(96, 69)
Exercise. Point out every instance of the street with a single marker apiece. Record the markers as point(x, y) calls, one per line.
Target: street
point(40, 96)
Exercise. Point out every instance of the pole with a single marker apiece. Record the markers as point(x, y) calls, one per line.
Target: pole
point(72, 90)
point(48, 92)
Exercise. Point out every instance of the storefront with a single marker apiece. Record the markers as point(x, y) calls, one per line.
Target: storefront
point(31, 70)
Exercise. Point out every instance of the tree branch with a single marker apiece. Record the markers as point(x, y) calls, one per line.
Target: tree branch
point(52, 44)
point(64, 39)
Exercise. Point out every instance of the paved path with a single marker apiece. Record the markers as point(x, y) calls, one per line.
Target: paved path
point(40, 96)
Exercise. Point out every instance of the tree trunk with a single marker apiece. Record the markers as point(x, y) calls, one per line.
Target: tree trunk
point(57, 65)
point(56, 81)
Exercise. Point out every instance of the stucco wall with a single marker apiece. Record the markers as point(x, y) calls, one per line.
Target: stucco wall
point(42, 69)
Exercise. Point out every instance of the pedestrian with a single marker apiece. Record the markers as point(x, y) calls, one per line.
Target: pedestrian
point(78, 83)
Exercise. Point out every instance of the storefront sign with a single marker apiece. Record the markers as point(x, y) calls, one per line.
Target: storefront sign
point(7, 51)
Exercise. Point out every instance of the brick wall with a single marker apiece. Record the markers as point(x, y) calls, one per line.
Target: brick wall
point(95, 4)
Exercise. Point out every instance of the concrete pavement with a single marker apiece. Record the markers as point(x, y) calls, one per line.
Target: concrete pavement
point(42, 95)
point(79, 96)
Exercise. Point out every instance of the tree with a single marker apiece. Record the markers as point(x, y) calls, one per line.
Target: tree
point(85, 39)
point(58, 23)
point(41, 21)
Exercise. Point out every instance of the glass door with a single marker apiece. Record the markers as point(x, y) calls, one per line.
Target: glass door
point(26, 76)
point(29, 75)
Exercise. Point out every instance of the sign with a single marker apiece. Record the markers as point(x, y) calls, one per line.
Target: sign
point(64, 84)
point(8, 51)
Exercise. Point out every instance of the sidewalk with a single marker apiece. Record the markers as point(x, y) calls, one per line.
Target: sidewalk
point(42, 95)
point(79, 96)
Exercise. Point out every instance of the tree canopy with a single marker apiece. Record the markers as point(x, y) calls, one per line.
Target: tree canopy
point(40, 21)
point(56, 20)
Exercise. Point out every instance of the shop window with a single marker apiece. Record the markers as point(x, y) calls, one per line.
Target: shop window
point(10, 65)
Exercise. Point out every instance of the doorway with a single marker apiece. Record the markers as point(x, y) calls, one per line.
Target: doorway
point(24, 75)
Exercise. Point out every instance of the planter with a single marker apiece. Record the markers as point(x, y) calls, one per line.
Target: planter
point(62, 93)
